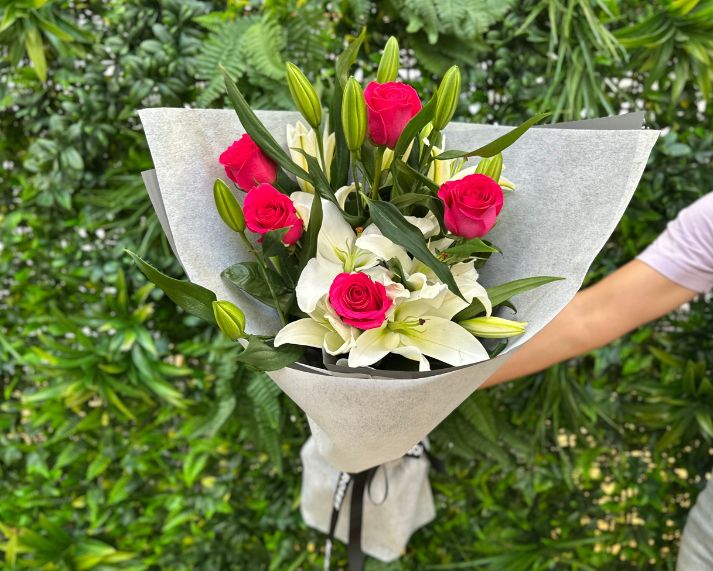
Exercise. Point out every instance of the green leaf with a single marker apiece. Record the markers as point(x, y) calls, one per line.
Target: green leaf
point(195, 299)
point(272, 244)
point(259, 133)
point(249, 278)
point(395, 227)
point(502, 293)
point(414, 126)
point(347, 58)
point(309, 239)
point(468, 247)
point(404, 170)
point(499, 144)
point(36, 52)
point(261, 354)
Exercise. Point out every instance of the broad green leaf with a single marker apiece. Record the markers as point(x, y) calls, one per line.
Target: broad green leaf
point(502, 293)
point(195, 299)
point(414, 126)
point(272, 244)
point(259, 133)
point(249, 277)
point(261, 354)
point(397, 229)
point(499, 144)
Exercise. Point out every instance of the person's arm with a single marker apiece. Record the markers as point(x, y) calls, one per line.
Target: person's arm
point(633, 295)
point(670, 272)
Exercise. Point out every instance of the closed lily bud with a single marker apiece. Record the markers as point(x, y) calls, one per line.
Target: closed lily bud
point(304, 95)
point(354, 115)
point(228, 207)
point(492, 166)
point(448, 94)
point(390, 61)
point(230, 319)
point(493, 327)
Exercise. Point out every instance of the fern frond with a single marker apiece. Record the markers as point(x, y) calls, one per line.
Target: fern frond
point(263, 44)
point(224, 46)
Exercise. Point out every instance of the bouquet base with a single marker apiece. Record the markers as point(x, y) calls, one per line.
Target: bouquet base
point(397, 502)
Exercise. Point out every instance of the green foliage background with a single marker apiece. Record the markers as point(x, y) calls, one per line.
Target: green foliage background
point(128, 437)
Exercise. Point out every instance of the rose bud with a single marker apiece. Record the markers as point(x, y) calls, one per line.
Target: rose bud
point(390, 106)
point(230, 319)
point(228, 208)
point(447, 100)
point(472, 204)
point(304, 95)
point(493, 327)
point(359, 301)
point(246, 165)
point(389, 64)
point(267, 209)
point(354, 115)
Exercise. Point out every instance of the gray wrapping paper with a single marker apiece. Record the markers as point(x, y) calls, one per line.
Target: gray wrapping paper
point(573, 187)
point(574, 182)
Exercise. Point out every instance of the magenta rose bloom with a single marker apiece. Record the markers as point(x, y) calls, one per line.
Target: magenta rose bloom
point(389, 106)
point(359, 300)
point(246, 165)
point(472, 205)
point(266, 208)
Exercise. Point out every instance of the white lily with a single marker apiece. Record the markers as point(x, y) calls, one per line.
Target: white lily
point(418, 329)
point(323, 329)
point(336, 253)
point(300, 137)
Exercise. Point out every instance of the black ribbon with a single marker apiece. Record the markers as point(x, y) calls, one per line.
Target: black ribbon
point(360, 483)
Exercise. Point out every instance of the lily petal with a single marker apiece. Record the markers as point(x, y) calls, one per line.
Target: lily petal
point(446, 341)
point(315, 280)
point(306, 332)
point(372, 346)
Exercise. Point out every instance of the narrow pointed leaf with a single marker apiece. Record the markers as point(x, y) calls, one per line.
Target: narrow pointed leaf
point(397, 229)
point(499, 144)
point(502, 293)
point(195, 299)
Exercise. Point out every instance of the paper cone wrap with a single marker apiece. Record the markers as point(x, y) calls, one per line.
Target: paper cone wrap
point(573, 182)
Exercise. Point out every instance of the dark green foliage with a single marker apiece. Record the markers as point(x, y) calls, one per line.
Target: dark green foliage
point(131, 437)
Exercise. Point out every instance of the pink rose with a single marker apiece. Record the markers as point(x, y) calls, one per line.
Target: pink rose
point(472, 205)
point(266, 209)
point(389, 106)
point(359, 300)
point(246, 165)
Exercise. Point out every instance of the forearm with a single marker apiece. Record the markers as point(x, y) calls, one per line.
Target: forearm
point(633, 295)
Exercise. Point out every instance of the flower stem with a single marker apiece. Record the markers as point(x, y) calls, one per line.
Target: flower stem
point(263, 269)
point(377, 173)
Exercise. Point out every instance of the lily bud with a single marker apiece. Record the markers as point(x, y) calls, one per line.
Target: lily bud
point(230, 319)
point(448, 94)
point(492, 166)
point(493, 327)
point(228, 207)
point(354, 115)
point(304, 95)
point(389, 64)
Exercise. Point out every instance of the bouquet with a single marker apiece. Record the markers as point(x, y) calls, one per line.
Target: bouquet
point(370, 257)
